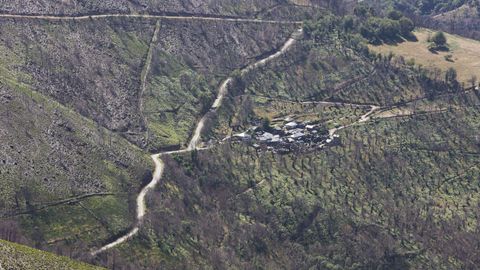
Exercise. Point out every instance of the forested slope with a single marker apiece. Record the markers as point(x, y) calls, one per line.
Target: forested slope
point(398, 191)
point(393, 184)
point(79, 103)
point(13, 256)
point(460, 17)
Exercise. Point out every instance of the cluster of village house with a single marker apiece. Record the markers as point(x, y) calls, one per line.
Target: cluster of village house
point(287, 137)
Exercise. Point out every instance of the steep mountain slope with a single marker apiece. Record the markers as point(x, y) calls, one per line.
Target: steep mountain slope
point(390, 194)
point(243, 8)
point(457, 17)
point(384, 198)
point(391, 181)
point(13, 256)
point(64, 177)
point(188, 62)
point(98, 67)
point(72, 90)
point(91, 66)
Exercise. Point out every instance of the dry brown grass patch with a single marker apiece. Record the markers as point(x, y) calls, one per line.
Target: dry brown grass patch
point(465, 53)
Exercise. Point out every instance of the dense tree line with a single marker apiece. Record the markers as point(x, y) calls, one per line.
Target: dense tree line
point(377, 29)
point(460, 17)
point(351, 206)
point(461, 25)
point(421, 7)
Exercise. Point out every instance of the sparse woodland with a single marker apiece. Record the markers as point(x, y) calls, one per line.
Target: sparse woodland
point(398, 191)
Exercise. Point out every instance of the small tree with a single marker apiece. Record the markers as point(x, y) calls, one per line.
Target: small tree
point(394, 15)
point(348, 23)
point(451, 75)
point(439, 39)
point(406, 26)
point(389, 29)
point(473, 80)
point(438, 42)
point(266, 124)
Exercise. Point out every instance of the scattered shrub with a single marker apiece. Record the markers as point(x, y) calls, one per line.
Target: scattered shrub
point(378, 29)
point(438, 42)
point(449, 58)
point(439, 39)
point(451, 75)
point(406, 26)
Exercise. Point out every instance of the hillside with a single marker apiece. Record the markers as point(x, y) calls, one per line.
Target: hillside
point(286, 9)
point(84, 100)
point(75, 7)
point(463, 21)
point(380, 197)
point(234, 135)
point(460, 17)
point(64, 177)
point(51, 56)
point(463, 51)
point(14, 256)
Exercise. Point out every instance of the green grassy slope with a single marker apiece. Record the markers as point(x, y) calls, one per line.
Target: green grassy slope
point(14, 256)
point(396, 193)
point(51, 158)
point(189, 61)
point(91, 66)
point(219, 8)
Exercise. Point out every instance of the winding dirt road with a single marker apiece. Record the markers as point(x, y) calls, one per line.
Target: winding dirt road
point(222, 92)
point(193, 145)
point(223, 89)
point(364, 118)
